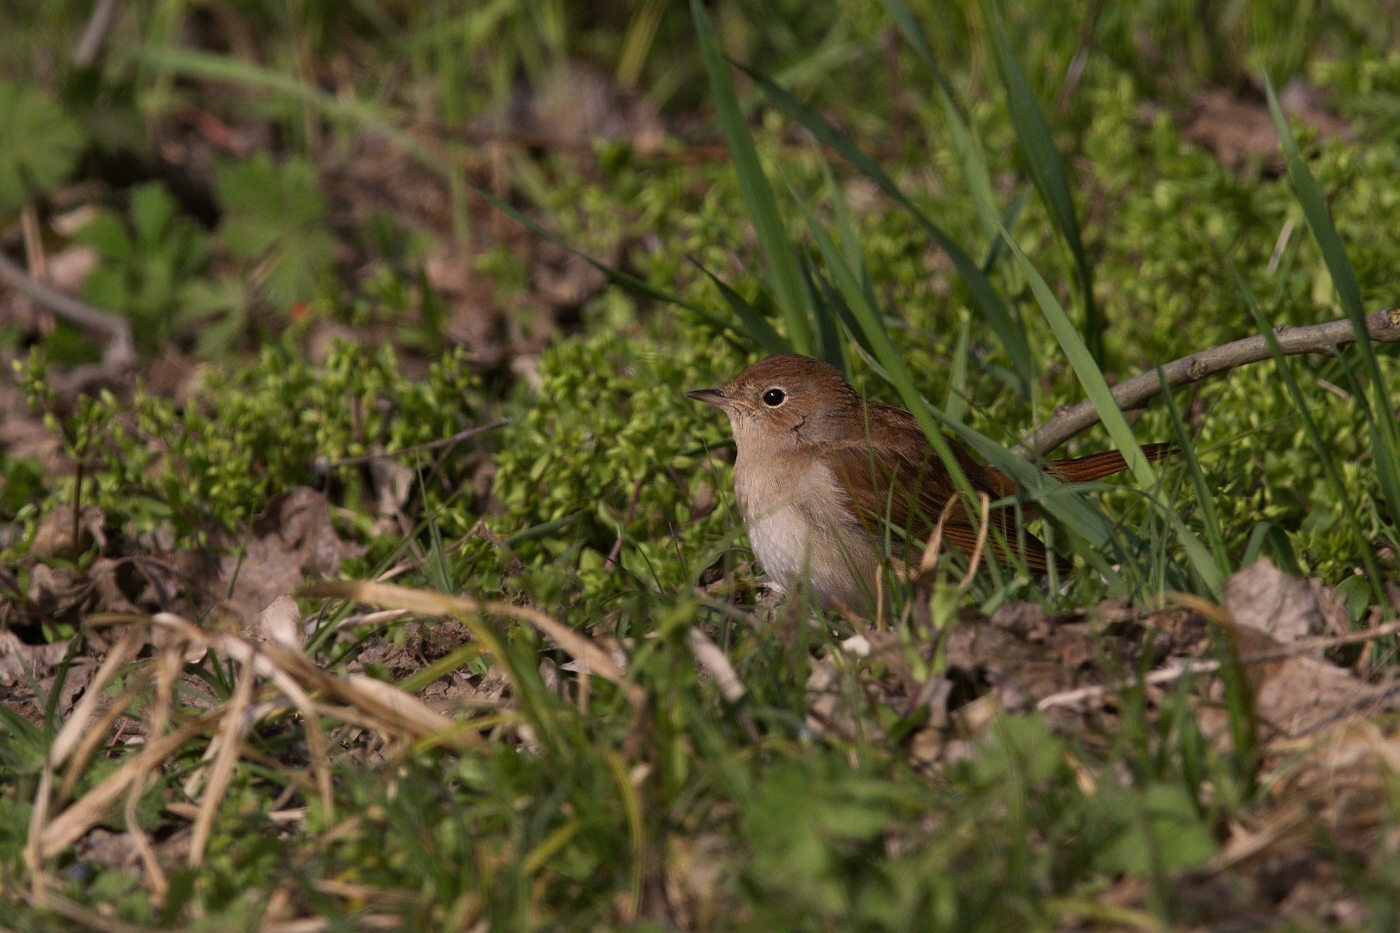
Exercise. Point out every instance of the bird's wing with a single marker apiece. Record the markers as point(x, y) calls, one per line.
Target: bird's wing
point(895, 477)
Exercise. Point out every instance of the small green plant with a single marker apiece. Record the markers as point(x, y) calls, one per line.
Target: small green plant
point(274, 223)
point(251, 433)
point(150, 263)
point(41, 144)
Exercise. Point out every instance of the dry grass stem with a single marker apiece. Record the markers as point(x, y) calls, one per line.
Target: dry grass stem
point(470, 611)
point(231, 731)
point(1173, 672)
point(711, 658)
point(976, 558)
point(76, 726)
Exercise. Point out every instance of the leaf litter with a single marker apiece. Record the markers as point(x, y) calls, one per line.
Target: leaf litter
point(1325, 752)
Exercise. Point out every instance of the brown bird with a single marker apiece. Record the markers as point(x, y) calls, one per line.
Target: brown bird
point(821, 470)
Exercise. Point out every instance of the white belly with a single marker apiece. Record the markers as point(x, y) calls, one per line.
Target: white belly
point(802, 530)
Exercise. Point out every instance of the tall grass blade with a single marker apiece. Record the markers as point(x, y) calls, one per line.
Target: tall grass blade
point(872, 325)
point(1097, 389)
point(1373, 429)
point(831, 342)
point(845, 226)
point(848, 320)
point(1046, 167)
point(1013, 214)
point(995, 310)
point(436, 567)
point(1209, 517)
point(1073, 511)
point(1386, 440)
point(754, 324)
point(1284, 557)
point(214, 67)
point(955, 405)
point(974, 167)
point(1320, 446)
point(758, 194)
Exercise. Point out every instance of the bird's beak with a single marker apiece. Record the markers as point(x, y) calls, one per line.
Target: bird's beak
point(713, 397)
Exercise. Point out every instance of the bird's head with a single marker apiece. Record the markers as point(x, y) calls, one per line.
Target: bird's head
point(785, 402)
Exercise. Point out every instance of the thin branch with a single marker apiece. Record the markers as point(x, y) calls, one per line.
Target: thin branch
point(95, 32)
point(1383, 327)
point(430, 445)
point(115, 328)
point(1164, 675)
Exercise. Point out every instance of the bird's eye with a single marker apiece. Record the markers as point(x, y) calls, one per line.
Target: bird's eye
point(774, 397)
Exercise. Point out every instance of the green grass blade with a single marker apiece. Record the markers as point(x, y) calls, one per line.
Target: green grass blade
point(1209, 517)
point(1072, 510)
point(974, 167)
point(872, 324)
point(831, 343)
point(845, 227)
point(1284, 558)
point(955, 405)
point(995, 310)
point(1069, 507)
point(833, 300)
point(1046, 167)
point(758, 194)
point(436, 568)
point(1013, 214)
point(1385, 469)
point(1097, 389)
point(1322, 448)
point(754, 324)
point(1387, 450)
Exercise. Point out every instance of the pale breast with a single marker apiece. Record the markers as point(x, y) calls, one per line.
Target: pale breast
point(799, 522)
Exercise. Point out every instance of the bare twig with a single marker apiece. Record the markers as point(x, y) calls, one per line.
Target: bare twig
point(96, 30)
point(120, 351)
point(1383, 326)
point(430, 445)
point(1184, 668)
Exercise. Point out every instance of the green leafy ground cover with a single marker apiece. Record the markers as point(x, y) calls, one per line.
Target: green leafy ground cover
point(608, 498)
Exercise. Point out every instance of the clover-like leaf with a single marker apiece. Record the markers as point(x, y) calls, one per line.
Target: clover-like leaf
point(40, 145)
point(274, 212)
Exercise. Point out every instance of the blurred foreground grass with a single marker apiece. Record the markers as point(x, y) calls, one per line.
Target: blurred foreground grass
point(279, 197)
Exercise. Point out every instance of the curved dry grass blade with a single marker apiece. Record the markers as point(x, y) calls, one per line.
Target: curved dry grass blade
point(403, 707)
point(90, 809)
point(469, 610)
point(38, 818)
point(712, 659)
point(981, 544)
point(93, 738)
point(156, 882)
point(73, 730)
point(230, 733)
point(928, 563)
